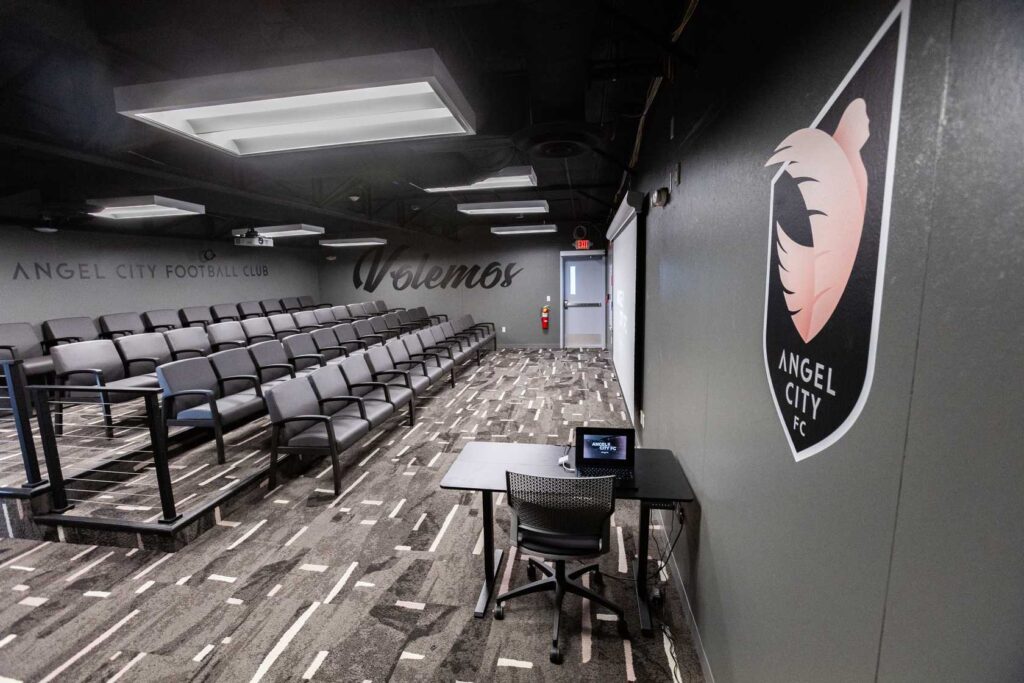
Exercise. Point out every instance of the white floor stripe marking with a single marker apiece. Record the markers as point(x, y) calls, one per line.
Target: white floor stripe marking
point(515, 663)
point(32, 601)
point(416, 526)
point(25, 554)
point(131, 552)
point(195, 471)
point(628, 649)
point(324, 471)
point(622, 551)
point(394, 512)
point(368, 522)
point(247, 534)
point(274, 590)
point(132, 662)
point(234, 601)
point(96, 594)
point(8, 638)
point(297, 534)
point(479, 547)
point(283, 643)
point(444, 528)
point(346, 491)
point(144, 587)
point(364, 584)
point(222, 578)
point(673, 665)
point(433, 460)
point(83, 553)
point(319, 568)
point(372, 502)
point(20, 588)
point(586, 639)
point(315, 665)
point(410, 655)
point(604, 616)
point(151, 567)
point(509, 564)
point(88, 648)
point(87, 567)
point(183, 580)
point(201, 655)
point(410, 605)
point(367, 458)
point(341, 583)
point(401, 548)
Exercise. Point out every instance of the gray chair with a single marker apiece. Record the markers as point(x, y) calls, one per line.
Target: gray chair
point(227, 335)
point(324, 317)
point(414, 347)
point(249, 309)
point(198, 316)
point(560, 519)
point(341, 314)
point(291, 304)
point(193, 396)
point(238, 371)
point(327, 344)
point(365, 332)
point(283, 325)
point(94, 363)
point(333, 396)
point(257, 329)
point(359, 312)
point(160, 320)
point(394, 322)
point(361, 382)
point(347, 337)
point(486, 331)
point(271, 306)
point(224, 312)
point(142, 353)
point(384, 368)
point(307, 303)
point(188, 342)
point(380, 326)
point(115, 325)
point(420, 313)
point(302, 351)
point(417, 367)
point(298, 427)
point(68, 331)
point(306, 320)
point(272, 361)
point(19, 341)
point(383, 308)
point(467, 341)
point(433, 340)
point(406, 318)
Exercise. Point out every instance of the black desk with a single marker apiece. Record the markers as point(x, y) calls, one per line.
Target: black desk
point(481, 466)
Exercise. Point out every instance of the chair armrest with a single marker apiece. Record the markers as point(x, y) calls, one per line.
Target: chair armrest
point(177, 354)
point(10, 349)
point(373, 336)
point(436, 357)
point(413, 362)
point(348, 399)
point(96, 375)
point(360, 344)
point(331, 440)
point(110, 334)
point(157, 328)
point(441, 316)
point(403, 373)
point(143, 359)
point(318, 357)
point(210, 401)
point(303, 328)
point(56, 341)
point(268, 337)
point(288, 331)
point(489, 326)
point(200, 323)
point(342, 349)
point(441, 348)
point(277, 366)
point(252, 379)
point(379, 385)
point(234, 344)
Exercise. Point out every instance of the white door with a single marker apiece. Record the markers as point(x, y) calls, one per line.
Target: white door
point(583, 300)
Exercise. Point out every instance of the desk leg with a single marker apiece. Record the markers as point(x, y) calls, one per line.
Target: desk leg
point(492, 557)
point(640, 570)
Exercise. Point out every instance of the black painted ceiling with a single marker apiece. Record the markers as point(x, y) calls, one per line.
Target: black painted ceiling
point(559, 84)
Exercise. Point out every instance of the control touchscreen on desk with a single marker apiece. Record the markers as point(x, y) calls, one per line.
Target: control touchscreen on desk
point(604, 447)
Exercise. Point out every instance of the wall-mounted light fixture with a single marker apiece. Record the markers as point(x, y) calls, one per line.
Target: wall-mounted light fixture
point(148, 206)
point(354, 242)
point(509, 177)
point(401, 95)
point(276, 231)
point(524, 229)
point(494, 208)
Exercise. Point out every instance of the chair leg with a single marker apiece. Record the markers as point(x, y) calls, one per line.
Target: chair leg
point(336, 472)
point(556, 654)
point(272, 483)
point(412, 410)
point(584, 592)
point(584, 570)
point(218, 435)
point(108, 418)
point(453, 376)
point(545, 584)
point(541, 567)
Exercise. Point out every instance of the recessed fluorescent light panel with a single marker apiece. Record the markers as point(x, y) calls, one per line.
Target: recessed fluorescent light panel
point(510, 177)
point(397, 96)
point(149, 206)
point(354, 242)
point(275, 231)
point(524, 229)
point(492, 208)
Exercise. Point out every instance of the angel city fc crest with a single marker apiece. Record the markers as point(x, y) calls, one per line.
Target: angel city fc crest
point(828, 227)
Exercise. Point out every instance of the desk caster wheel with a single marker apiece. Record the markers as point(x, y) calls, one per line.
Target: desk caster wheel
point(556, 655)
point(499, 612)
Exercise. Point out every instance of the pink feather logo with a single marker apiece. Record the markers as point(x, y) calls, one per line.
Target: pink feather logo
point(833, 182)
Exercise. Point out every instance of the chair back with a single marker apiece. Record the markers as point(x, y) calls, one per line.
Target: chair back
point(186, 375)
point(379, 325)
point(81, 329)
point(341, 313)
point(161, 319)
point(270, 353)
point(283, 324)
point(136, 347)
point(258, 329)
point(271, 306)
point(306, 301)
point(223, 312)
point(324, 316)
point(549, 509)
point(96, 354)
point(249, 309)
point(195, 315)
point(328, 382)
point(290, 399)
point(121, 324)
point(188, 338)
point(23, 337)
point(356, 371)
point(233, 363)
point(300, 345)
point(291, 303)
point(227, 334)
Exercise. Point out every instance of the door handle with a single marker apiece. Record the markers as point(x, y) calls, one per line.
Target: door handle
point(582, 305)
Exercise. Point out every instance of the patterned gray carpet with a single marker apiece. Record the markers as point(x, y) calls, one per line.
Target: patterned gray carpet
point(377, 585)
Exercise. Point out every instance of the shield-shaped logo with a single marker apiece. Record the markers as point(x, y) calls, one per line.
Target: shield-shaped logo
point(828, 227)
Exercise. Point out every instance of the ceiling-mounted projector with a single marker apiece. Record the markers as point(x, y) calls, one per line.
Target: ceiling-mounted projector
point(251, 238)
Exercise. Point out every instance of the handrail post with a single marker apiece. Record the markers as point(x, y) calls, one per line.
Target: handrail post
point(163, 473)
point(17, 396)
point(58, 494)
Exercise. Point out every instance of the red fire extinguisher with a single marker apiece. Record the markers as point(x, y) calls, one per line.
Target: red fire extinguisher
point(545, 314)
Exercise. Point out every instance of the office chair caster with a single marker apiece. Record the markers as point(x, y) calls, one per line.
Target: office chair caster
point(499, 611)
point(556, 655)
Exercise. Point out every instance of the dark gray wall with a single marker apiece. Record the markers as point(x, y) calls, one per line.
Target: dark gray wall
point(894, 555)
point(533, 258)
point(93, 274)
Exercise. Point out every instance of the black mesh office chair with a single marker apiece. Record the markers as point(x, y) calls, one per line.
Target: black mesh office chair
point(560, 519)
